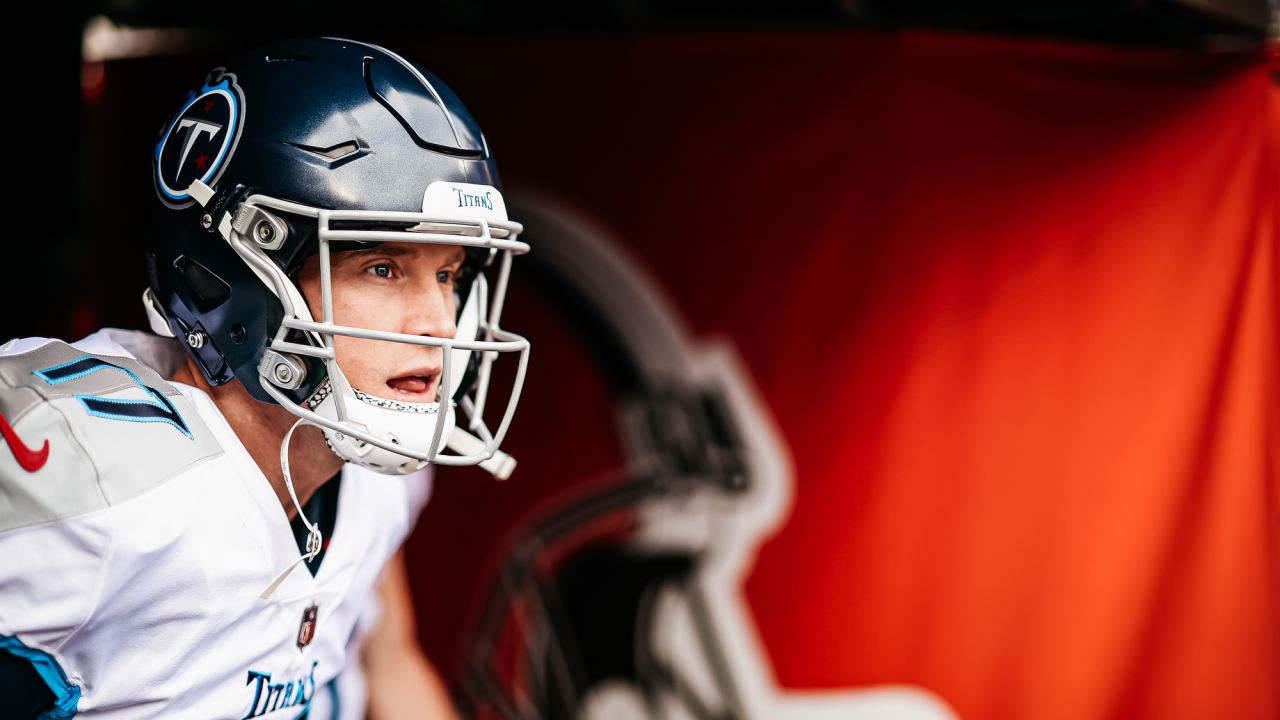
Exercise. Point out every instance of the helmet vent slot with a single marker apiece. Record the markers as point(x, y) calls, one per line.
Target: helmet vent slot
point(335, 155)
point(206, 289)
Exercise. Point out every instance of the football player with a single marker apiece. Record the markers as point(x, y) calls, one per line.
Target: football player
point(328, 251)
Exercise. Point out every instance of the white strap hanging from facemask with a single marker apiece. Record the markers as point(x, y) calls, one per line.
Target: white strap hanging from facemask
point(313, 532)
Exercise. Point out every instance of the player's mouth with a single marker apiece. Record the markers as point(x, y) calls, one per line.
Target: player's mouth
point(417, 385)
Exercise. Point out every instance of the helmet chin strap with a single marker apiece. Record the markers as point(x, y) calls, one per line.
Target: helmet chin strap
point(313, 532)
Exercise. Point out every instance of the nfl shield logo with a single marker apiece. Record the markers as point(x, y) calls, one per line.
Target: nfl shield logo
point(307, 629)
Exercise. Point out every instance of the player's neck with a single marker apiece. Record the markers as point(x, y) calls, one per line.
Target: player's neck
point(261, 428)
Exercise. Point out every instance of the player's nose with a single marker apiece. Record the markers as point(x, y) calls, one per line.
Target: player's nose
point(431, 309)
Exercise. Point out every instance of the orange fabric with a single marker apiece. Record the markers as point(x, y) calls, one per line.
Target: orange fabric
point(1014, 305)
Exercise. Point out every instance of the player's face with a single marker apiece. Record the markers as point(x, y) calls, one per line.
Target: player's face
point(397, 287)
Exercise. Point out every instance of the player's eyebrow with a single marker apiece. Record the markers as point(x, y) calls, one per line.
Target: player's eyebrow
point(392, 251)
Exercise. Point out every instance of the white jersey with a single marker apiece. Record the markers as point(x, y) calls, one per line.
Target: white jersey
point(133, 550)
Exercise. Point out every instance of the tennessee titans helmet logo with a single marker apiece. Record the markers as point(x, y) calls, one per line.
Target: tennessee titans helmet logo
point(199, 140)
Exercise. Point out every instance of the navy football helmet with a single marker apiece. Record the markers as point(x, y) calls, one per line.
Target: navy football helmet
point(312, 146)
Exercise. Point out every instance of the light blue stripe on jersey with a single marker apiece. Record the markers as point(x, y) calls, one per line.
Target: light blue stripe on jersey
point(66, 696)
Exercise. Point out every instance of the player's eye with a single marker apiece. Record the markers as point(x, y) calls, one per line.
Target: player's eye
point(382, 270)
point(445, 276)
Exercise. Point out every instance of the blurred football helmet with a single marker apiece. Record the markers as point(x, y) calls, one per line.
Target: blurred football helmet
point(315, 146)
point(621, 596)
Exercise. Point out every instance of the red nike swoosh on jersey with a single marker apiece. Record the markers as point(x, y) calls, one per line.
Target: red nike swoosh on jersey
point(30, 460)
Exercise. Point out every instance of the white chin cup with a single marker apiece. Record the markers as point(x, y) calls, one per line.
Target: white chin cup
point(411, 425)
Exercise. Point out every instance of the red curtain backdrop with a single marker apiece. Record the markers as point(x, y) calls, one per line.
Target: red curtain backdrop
point(1013, 305)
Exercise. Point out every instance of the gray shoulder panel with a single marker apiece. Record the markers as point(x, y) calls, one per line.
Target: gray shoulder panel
point(113, 429)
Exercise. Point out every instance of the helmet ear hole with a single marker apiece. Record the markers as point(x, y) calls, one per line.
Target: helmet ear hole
point(204, 289)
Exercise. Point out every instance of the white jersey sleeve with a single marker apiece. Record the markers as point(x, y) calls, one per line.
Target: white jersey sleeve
point(137, 533)
point(57, 480)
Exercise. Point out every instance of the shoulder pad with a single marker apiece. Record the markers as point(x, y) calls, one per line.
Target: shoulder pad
point(86, 431)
